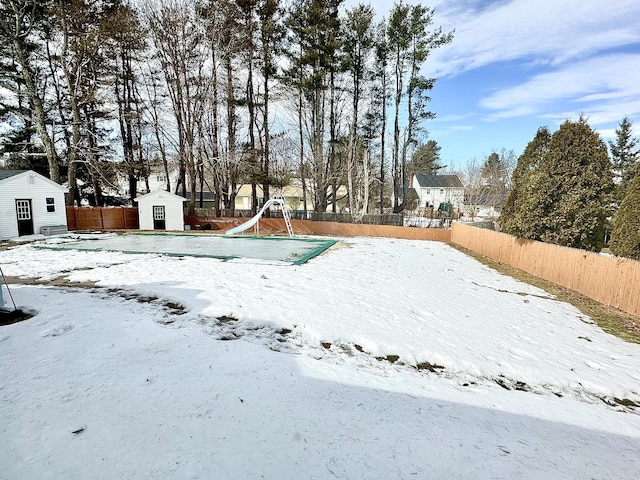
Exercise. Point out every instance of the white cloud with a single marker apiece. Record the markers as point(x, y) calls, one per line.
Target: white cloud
point(605, 86)
point(541, 31)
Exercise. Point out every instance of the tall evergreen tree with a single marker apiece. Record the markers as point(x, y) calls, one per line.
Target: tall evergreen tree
point(377, 116)
point(223, 28)
point(358, 43)
point(247, 10)
point(426, 159)
point(517, 217)
point(410, 42)
point(565, 197)
point(271, 38)
point(493, 169)
point(625, 236)
point(315, 40)
point(126, 43)
point(81, 60)
point(625, 153)
point(494, 174)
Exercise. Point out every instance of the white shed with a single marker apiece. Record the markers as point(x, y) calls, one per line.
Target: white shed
point(160, 210)
point(30, 203)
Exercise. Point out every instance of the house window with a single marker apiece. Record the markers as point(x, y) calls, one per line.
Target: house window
point(442, 191)
point(427, 191)
point(161, 178)
point(51, 204)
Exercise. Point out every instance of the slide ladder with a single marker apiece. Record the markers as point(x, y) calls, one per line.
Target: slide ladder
point(277, 199)
point(285, 213)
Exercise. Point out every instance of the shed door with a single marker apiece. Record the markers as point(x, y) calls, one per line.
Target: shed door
point(25, 221)
point(159, 218)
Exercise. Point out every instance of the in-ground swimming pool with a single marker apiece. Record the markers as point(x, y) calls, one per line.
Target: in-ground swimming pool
point(294, 251)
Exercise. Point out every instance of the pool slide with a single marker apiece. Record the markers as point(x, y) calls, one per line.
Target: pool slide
point(253, 220)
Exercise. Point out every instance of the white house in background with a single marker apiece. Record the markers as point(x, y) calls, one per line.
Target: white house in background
point(160, 210)
point(433, 190)
point(30, 203)
point(484, 202)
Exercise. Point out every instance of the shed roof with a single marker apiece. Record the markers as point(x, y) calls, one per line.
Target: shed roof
point(159, 193)
point(439, 181)
point(8, 174)
point(4, 174)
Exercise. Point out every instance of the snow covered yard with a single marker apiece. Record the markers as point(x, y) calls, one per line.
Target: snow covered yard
point(197, 368)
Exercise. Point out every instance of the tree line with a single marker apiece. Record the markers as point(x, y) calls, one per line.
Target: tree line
point(231, 92)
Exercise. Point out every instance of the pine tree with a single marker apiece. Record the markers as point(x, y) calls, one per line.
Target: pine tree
point(314, 36)
point(125, 44)
point(358, 36)
point(410, 41)
point(625, 237)
point(516, 217)
point(625, 154)
point(576, 188)
point(426, 159)
point(563, 194)
point(272, 34)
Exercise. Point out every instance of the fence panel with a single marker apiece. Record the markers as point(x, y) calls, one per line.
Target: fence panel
point(130, 218)
point(608, 280)
point(309, 227)
point(101, 218)
point(88, 218)
point(71, 218)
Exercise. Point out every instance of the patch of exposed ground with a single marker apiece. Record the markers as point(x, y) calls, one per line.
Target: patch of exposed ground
point(60, 281)
point(172, 308)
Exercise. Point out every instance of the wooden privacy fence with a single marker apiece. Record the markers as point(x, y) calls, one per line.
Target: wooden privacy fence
point(609, 280)
point(310, 227)
point(101, 218)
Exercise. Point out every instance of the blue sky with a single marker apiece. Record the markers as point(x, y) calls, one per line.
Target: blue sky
point(516, 65)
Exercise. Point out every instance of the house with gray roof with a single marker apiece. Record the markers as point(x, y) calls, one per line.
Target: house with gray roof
point(433, 190)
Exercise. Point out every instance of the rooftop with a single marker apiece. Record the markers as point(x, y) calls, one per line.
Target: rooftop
point(438, 181)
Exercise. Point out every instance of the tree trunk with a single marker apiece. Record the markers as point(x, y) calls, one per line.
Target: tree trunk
point(383, 136)
point(38, 108)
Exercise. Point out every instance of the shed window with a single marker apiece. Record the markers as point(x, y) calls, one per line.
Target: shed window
point(51, 204)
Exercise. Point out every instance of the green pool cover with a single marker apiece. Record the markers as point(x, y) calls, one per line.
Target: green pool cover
point(294, 251)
